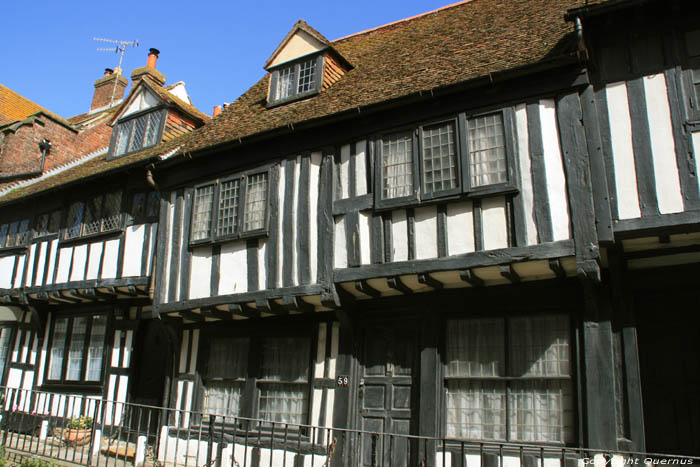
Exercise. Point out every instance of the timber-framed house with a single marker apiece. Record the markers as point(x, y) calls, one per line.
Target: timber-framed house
point(461, 226)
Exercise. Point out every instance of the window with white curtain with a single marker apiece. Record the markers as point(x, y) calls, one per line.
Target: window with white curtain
point(5, 334)
point(296, 80)
point(509, 379)
point(279, 367)
point(232, 207)
point(77, 349)
point(487, 150)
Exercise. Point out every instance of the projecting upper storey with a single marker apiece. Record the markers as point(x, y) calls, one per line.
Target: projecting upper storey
point(446, 154)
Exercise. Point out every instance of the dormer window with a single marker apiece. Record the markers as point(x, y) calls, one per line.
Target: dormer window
point(138, 132)
point(139, 126)
point(296, 80)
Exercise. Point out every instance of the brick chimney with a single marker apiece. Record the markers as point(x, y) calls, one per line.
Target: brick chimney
point(105, 88)
point(149, 70)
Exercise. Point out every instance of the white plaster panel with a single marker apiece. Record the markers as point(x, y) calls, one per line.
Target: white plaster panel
point(184, 350)
point(233, 268)
point(79, 263)
point(399, 235)
point(527, 197)
point(152, 248)
point(361, 168)
point(344, 170)
point(116, 348)
point(330, 403)
point(111, 258)
point(128, 342)
point(20, 271)
point(365, 238)
point(143, 100)
point(193, 352)
point(295, 212)
point(280, 230)
point(460, 228)
point(168, 246)
point(340, 252)
point(53, 253)
point(696, 149)
point(30, 264)
point(14, 378)
point(262, 264)
point(43, 353)
point(41, 262)
point(314, 174)
point(123, 385)
point(622, 151)
point(64, 257)
point(200, 272)
point(93, 267)
point(426, 232)
point(25, 346)
point(133, 249)
point(495, 224)
point(320, 351)
point(300, 44)
point(554, 169)
point(7, 264)
point(663, 147)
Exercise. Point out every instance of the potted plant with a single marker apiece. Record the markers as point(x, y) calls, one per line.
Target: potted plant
point(78, 431)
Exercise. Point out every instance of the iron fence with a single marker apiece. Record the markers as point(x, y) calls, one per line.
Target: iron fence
point(88, 430)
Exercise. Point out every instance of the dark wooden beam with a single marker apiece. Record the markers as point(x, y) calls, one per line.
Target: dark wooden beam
point(471, 278)
point(243, 310)
point(367, 289)
point(192, 316)
point(56, 296)
point(557, 269)
point(509, 273)
point(397, 284)
point(218, 314)
point(430, 281)
point(271, 307)
point(88, 294)
point(293, 303)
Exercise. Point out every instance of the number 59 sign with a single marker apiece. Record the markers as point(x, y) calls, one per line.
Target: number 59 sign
point(342, 381)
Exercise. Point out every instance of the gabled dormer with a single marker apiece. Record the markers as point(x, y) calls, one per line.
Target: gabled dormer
point(152, 113)
point(304, 64)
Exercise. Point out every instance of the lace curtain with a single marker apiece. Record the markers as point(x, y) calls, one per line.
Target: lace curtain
point(58, 343)
point(225, 376)
point(4, 346)
point(397, 163)
point(539, 405)
point(96, 348)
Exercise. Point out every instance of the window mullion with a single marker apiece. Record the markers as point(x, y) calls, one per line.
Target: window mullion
point(86, 347)
point(215, 210)
point(66, 349)
point(464, 156)
point(417, 163)
point(242, 195)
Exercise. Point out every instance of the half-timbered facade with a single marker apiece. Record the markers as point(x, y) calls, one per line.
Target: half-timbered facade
point(459, 226)
point(77, 253)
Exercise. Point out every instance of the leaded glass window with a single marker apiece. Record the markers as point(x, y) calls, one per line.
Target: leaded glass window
point(48, 223)
point(439, 158)
point(256, 202)
point(285, 84)
point(138, 132)
point(227, 217)
point(533, 383)
point(397, 165)
point(202, 212)
point(145, 205)
point(101, 213)
point(307, 71)
point(5, 334)
point(96, 348)
point(58, 343)
point(75, 351)
point(16, 233)
point(487, 151)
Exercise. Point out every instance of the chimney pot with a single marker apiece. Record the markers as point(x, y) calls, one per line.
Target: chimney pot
point(152, 58)
point(217, 110)
point(108, 71)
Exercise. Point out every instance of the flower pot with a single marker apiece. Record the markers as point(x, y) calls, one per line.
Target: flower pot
point(77, 437)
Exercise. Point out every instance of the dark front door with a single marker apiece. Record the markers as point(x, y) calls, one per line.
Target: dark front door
point(388, 392)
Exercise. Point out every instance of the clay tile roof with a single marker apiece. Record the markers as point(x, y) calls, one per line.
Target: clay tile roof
point(14, 107)
point(455, 44)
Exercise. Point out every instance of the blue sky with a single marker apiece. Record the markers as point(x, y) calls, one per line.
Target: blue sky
point(217, 48)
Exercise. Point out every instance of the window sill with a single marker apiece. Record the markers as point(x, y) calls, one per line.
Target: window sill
point(478, 193)
point(82, 387)
point(230, 238)
point(92, 237)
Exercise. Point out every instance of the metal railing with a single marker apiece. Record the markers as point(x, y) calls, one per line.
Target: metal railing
point(88, 430)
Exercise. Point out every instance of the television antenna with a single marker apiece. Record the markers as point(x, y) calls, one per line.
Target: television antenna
point(119, 48)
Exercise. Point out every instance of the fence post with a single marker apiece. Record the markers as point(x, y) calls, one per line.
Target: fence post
point(210, 442)
point(374, 450)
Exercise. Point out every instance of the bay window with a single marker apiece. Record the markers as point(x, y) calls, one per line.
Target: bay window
point(14, 234)
point(509, 379)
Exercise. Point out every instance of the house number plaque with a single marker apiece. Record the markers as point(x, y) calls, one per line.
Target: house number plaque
point(342, 381)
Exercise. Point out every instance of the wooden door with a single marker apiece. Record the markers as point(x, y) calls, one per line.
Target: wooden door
point(388, 392)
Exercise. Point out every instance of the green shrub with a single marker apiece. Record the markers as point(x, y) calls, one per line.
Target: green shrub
point(80, 423)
